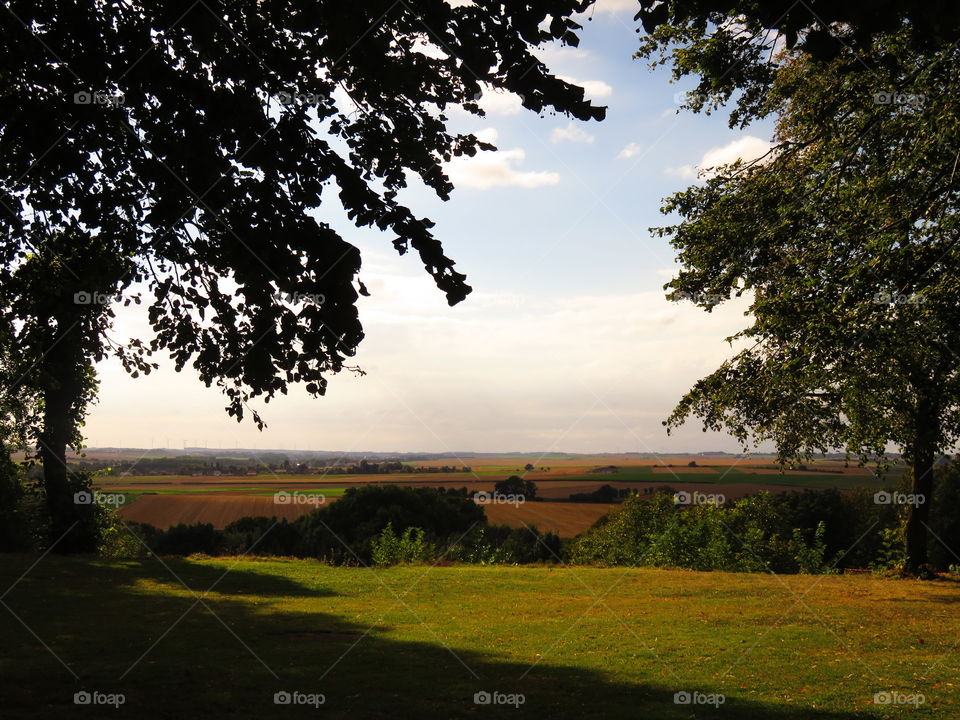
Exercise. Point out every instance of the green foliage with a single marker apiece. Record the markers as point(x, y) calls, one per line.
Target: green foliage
point(195, 166)
point(188, 540)
point(22, 517)
point(118, 538)
point(409, 547)
point(260, 536)
point(751, 535)
point(733, 47)
point(890, 554)
point(499, 544)
point(811, 554)
point(842, 239)
point(342, 532)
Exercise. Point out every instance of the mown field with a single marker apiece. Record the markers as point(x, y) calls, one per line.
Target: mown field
point(219, 637)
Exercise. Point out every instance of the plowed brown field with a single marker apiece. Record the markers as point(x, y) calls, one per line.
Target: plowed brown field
point(162, 511)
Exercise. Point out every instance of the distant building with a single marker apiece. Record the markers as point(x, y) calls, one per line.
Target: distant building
point(608, 470)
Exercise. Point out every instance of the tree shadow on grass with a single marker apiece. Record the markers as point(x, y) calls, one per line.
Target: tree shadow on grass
point(121, 629)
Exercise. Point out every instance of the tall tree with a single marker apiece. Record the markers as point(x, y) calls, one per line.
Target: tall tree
point(184, 148)
point(61, 299)
point(731, 46)
point(845, 239)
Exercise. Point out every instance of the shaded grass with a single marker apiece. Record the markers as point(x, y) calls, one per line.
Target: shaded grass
point(420, 641)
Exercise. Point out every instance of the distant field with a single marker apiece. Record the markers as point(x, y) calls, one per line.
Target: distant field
point(565, 519)
point(165, 500)
point(420, 642)
point(221, 509)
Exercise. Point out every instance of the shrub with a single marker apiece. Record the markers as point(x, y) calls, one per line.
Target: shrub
point(502, 545)
point(409, 547)
point(260, 536)
point(120, 539)
point(22, 511)
point(189, 539)
point(342, 532)
point(751, 535)
point(944, 538)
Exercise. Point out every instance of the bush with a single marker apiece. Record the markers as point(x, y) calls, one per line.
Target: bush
point(410, 547)
point(22, 514)
point(260, 536)
point(120, 539)
point(342, 532)
point(502, 545)
point(944, 540)
point(751, 535)
point(189, 539)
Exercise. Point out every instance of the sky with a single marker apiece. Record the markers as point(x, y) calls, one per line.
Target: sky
point(567, 343)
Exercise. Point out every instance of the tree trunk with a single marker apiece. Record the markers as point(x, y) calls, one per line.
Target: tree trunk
point(918, 515)
point(61, 390)
point(53, 456)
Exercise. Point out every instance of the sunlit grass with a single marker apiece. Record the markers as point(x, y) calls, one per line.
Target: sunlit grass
point(584, 642)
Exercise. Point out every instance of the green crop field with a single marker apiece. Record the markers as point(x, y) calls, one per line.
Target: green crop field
point(727, 476)
point(421, 641)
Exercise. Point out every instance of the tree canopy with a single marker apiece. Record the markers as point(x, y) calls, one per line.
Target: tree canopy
point(191, 155)
point(196, 140)
point(844, 238)
point(732, 46)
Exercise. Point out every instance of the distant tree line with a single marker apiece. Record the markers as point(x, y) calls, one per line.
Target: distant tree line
point(199, 465)
point(810, 531)
point(374, 524)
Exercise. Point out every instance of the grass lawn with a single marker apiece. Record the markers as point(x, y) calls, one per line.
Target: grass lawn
point(419, 642)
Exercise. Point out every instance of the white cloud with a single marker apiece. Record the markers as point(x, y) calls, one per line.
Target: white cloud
point(629, 151)
point(684, 172)
point(555, 54)
point(489, 169)
point(594, 89)
point(503, 371)
point(571, 133)
point(747, 148)
point(612, 7)
point(504, 103)
point(500, 102)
